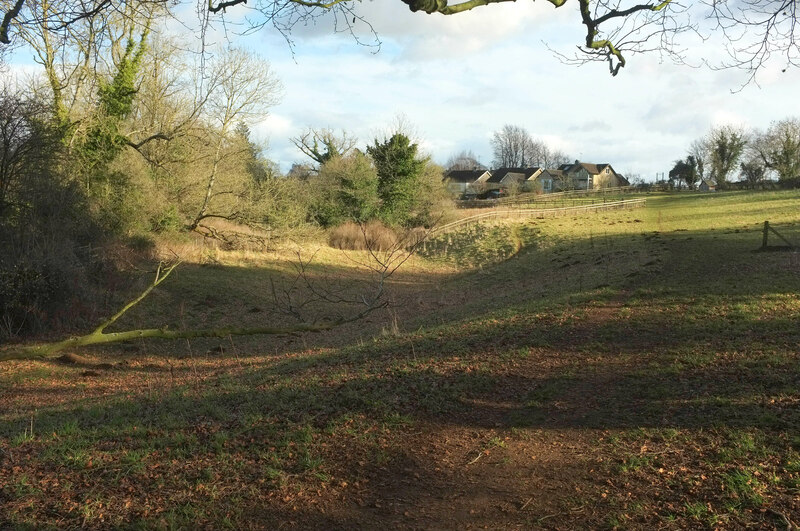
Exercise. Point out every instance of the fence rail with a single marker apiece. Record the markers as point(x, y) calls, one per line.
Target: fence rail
point(541, 213)
point(597, 194)
point(577, 193)
point(788, 245)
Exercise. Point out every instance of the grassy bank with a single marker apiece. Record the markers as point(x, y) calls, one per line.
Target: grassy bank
point(635, 369)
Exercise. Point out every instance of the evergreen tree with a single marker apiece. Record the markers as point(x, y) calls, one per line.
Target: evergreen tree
point(399, 171)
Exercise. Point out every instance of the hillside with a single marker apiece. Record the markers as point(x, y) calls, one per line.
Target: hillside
point(633, 369)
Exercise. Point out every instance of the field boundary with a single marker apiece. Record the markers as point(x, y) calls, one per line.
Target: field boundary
point(540, 213)
point(527, 198)
point(570, 193)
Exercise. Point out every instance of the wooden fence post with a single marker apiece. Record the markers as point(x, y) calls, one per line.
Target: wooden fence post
point(766, 235)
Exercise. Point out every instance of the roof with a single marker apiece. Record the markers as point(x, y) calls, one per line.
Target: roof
point(593, 169)
point(500, 173)
point(463, 176)
point(553, 173)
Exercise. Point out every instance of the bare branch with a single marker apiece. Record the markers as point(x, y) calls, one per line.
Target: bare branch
point(99, 336)
point(11, 15)
point(222, 6)
point(158, 136)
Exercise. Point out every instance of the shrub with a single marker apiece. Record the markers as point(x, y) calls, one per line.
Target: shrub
point(374, 236)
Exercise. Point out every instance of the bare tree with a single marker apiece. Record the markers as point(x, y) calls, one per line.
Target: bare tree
point(753, 31)
point(241, 88)
point(553, 158)
point(464, 160)
point(314, 302)
point(757, 30)
point(20, 141)
point(512, 147)
point(779, 148)
point(322, 145)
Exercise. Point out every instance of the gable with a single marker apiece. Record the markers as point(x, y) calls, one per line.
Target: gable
point(465, 176)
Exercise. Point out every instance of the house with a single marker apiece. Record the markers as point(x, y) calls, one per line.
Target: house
point(519, 179)
point(549, 181)
point(707, 185)
point(460, 181)
point(585, 176)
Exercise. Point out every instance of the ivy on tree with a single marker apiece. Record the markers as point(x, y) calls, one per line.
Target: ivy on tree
point(399, 171)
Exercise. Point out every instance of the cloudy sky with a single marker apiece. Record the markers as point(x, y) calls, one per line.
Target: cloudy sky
point(459, 78)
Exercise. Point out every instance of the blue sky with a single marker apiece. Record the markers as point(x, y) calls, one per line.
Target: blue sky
point(491, 67)
point(458, 79)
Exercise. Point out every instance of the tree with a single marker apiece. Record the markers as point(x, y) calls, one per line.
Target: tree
point(348, 190)
point(726, 146)
point(464, 160)
point(398, 170)
point(779, 148)
point(300, 171)
point(699, 151)
point(553, 158)
point(686, 171)
point(752, 32)
point(753, 171)
point(322, 145)
point(21, 142)
point(241, 88)
point(512, 147)
point(259, 167)
point(290, 301)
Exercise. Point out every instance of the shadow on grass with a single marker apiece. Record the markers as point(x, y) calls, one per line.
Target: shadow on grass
point(681, 330)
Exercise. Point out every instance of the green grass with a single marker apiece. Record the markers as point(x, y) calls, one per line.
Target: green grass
point(652, 343)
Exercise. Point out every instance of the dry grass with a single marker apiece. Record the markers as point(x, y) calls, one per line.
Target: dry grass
point(629, 370)
point(372, 236)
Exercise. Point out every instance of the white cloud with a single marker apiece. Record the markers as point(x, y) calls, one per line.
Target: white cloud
point(461, 77)
point(273, 125)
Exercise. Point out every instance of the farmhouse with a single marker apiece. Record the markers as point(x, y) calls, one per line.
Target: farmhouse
point(460, 181)
point(521, 179)
point(585, 176)
point(549, 181)
point(573, 176)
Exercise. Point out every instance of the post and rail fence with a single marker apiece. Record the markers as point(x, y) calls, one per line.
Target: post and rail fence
point(593, 195)
point(765, 246)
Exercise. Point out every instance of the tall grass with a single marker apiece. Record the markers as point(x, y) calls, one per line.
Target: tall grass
point(373, 235)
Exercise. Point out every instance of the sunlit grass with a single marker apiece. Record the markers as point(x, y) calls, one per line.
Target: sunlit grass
point(665, 350)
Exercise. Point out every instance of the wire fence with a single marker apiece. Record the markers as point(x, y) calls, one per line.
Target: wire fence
point(540, 213)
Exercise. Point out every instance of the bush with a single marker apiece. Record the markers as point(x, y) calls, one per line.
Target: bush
point(789, 184)
point(374, 236)
point(49, 232)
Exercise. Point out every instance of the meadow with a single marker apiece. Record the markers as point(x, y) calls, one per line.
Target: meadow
point(630, 369)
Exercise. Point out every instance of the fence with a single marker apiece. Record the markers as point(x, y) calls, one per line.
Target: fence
point(541, 213)
point(595, 195)
point(783, 235)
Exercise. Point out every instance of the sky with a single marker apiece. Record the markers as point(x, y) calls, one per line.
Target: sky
point(458, 79)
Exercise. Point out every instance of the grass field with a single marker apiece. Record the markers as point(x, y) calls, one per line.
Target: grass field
point(632, 369)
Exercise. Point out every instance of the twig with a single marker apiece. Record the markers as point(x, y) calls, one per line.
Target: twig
point(790, 526)
point(476, 459)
